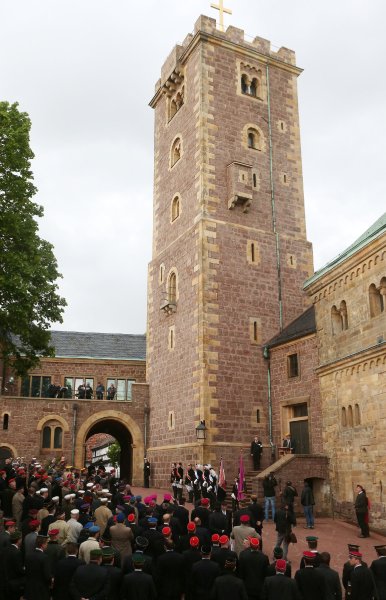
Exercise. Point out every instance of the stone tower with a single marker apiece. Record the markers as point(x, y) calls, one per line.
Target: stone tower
point(230, 251)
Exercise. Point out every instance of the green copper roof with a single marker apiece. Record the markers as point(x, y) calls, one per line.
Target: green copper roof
point(368, 236)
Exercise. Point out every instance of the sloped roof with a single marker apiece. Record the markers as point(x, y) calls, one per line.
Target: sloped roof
point(79, 344)
point(376, 229)
point(303, 325)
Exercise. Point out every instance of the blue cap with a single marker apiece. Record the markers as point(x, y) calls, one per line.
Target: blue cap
point(88, 525)
point(94, 529)
point(120, 517)
point(152, 520)
point(138, 498)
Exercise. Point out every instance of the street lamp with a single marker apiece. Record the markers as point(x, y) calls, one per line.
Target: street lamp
point(201, 431)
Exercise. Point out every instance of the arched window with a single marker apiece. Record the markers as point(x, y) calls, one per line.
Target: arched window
point(46, 442)
point(52, 436)
point(175, 208)
point(376, 298)
point(175, 152)
point(344, 417)
point(254, 139)
point(5, 421)
point(245, 84)
point(343, 314)
point(357, 415)
point(172, 288)
point(336, 320)
point(349, 416)
point(161, 273)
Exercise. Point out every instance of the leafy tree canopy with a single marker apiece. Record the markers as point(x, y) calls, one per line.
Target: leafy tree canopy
point(114, 454)
point(29, 301)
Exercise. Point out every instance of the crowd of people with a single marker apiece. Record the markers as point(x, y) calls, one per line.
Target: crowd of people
point(82, 534)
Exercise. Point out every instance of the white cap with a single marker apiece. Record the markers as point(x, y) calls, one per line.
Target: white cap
point(68, 497)
point(43, 490)
point(81, 491)
point(105, 491)
point(104, 499)
point(38, 492)
point(75, 511)
point(89, 485)
point(55, 499)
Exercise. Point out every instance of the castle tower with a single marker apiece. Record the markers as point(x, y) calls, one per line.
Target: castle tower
point(230, 252)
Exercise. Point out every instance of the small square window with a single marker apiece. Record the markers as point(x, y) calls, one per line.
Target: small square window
point(293, 365)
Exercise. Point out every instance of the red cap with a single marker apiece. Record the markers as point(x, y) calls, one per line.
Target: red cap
point(224, 539)
point(255, 543)
point(34, 523)
point(244, 519)
point(11, 480)
point(9, 523)
point(53, 532)
point(166, 531)
point(215, 538)
point(131, 518)
point(309, 555)
point(194, 541)
point(191, 526)
point(354, 554)
point(281, 565)
point(204, 501)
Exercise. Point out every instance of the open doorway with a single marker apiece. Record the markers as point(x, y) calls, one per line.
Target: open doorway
point(100, 437)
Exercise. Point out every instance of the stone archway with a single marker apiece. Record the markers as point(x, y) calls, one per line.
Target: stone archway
point(6, 451)
point(116, 423)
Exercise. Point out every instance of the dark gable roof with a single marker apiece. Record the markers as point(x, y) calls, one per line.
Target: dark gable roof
point(79, 344)
point(300, 327)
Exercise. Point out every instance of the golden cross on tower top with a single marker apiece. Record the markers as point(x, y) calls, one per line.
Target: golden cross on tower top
point(222, 10)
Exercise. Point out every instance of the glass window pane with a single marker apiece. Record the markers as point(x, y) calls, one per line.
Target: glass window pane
point(90, 381)
point(129, 384)
point(69, 384)
point(46, 382)
point(25, 386)
point(46, 437)
point(58, 437)
point(35, 386)
point(121, 389)
point(78, 382)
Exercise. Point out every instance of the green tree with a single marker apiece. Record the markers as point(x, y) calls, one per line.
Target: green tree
point(114, 454)
point(29, 301)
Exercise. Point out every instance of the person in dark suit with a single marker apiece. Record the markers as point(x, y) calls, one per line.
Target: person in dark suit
point(224, 553)
point(5, 535)
point(378, 569)
point(169, 573)
point(14, 573)
point(115, 575)
point(331, 577)
point(202, 512)
point(217, 520)
point(277, 555)
point(38, 572)
point(90, 580)
point(348, 569)
point(256, 451)
point(203, 576)
point(155, 539)
point(65, 569)
point(309, 580)
point(138, 585)
point(279, 586)
point(362, 580)
point(312, 542)
point(362, 511)
point(252, 568)
point(182, 515)
point(228, 586)
point(54, 550)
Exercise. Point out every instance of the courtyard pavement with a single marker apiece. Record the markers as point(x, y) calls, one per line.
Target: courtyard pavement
point(333, 534)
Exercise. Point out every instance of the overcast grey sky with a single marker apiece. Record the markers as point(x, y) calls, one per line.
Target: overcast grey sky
point(85, 71)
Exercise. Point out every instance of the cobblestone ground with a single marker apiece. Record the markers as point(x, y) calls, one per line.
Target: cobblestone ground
point(333, 534)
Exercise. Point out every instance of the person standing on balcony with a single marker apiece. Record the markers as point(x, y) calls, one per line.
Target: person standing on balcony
point(111, 392)
point(100, 391)
point(256, 451)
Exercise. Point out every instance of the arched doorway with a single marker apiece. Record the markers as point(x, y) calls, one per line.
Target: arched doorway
point(5, 452)
point(120, 433)
point(125, 430)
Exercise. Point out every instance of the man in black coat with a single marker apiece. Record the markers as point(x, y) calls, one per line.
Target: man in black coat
point(14, 573)
point(362, 580)
point(284, 519)
point(90, 581)
point(277, 555)
point(224, 553)
point(182, 515)
point(228, 586)
point(378, 569)
point(204, 573)
point(217, 520)
point(278, 586)
point(138, 585)
point(252, 568)
point(309, 580)
point(38, 572)
point(202, 512)
point(65, 569)
point(256, 451)
point(331, 577)
point(115, 575)
point(169, 574)
point(5, 535)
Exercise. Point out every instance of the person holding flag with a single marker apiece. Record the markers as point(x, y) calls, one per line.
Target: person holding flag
point(222, 484)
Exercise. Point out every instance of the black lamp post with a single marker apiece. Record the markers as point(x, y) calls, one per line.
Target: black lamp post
point(201, 431)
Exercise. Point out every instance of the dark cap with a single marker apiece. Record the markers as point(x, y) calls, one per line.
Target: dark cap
point(95, 553)
point(206, 549)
